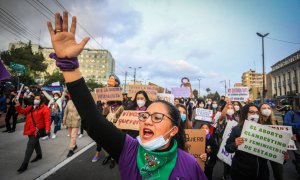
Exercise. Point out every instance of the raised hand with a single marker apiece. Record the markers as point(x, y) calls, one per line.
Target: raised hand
point(63, 41)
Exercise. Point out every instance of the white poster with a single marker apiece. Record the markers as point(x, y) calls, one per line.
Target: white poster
point(166, 97)
point(238, 93)
point(288, 129)
point(203, 114)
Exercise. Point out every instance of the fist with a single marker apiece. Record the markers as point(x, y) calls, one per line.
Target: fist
point(203, 157)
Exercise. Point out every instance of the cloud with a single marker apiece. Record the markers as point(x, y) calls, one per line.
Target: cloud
point(198, 54)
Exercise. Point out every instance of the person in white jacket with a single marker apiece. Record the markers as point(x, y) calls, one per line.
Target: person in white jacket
point(55, 105)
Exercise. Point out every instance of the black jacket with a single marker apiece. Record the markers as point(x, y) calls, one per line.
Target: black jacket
point(245, 164)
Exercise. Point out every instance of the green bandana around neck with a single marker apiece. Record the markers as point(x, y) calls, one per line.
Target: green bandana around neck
point(156, 165)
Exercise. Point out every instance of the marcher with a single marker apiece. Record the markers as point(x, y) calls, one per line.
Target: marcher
point(188, 124)
point(11, 113)
point(159, 125)
point(72, 121)
point(197, 123)
point(37, 118)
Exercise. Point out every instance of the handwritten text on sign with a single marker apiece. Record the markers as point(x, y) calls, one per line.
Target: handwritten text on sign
point(288, 129)
point(150, 90)
point(264, 141)
point(223, 154)
point(195, 142)
point(128, 120)
point(238, 93)
point(204, 114)
point(181, 92)
point(109, 94)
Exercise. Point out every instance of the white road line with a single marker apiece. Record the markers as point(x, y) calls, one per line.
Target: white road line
point(63, 163)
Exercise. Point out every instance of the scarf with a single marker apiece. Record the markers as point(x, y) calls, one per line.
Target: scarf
point(156, 165)
point(143, 108)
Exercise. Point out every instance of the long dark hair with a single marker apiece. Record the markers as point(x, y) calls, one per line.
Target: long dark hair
point(148, 102)
point(186, 123)
point(176, 120)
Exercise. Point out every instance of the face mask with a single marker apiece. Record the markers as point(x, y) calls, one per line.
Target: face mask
point(201, 105)
point(183, 117)
point(141, 103)
point(266, 112)
point(55, 97)
point(206, 131)
point(230, 112)
point(237, 108)
point(36, 102)
point(253, 118)
point(209, 103)
point(214, 106)
point(155, 143)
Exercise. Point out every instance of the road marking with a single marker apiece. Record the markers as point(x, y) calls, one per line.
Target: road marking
point(63, 163)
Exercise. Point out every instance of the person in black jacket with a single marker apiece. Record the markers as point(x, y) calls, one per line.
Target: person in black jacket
point(11, 113)
point(246, 166)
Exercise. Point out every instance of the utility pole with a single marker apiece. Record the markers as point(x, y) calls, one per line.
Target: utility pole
point(125, 90)
point(134, 72)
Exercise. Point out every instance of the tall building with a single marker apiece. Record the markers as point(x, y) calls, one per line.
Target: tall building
point(254, 81)
point(286, 78)
point(95, 64)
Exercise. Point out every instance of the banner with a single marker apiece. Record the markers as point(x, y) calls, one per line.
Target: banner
point(150, 90)
point(238, 93)
point(216, 118)
point(128, 120)
point(180, 92)
point(166, 97)
point(52, 88)
point(264, 141)
point(203, 114)
point(195, 143)
point(223, 154)
point(4, 74)
point(109, 94)
point(288, 129)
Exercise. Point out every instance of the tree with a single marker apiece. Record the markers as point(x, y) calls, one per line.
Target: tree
point(195, 93)
point(54, 77)
point(208, 90)
point(91, 84)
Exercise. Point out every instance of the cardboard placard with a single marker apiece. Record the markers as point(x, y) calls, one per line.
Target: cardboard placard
point(180, 92)
point(264, 141)
point(203, 114)
point(238, 93)
point(150, 90)
point(288, 129)
point(109, 94)
point(195, 142)
point(128, 120)
point(167, 97)
point(223, 154)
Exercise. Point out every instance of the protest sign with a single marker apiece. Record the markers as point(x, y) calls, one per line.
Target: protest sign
point(150, 90)
point(195, 143)
point(128, 120)
point(109, 94)
point(166, 97)
point(238, 93)
point(204, 114)
point(216, 118)
point(181, 92)
point(52, 88)
point(223, 154)
point(264, 141)
point(288, 129)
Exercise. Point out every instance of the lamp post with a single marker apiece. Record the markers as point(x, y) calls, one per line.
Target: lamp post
point(263, 62)
point(224, 81)
point(199, 79)
point(134, 72)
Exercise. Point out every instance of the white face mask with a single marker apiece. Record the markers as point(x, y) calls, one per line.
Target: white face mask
point(215, 106)
point(209, 103)
point(230, 112)
point(141, 103)
point(156, 143)
point(55, 97)
point(206, 131)
point(266, 112)
point(237, 108)
point(201, 105)
point(36, 102)
point(253, 118)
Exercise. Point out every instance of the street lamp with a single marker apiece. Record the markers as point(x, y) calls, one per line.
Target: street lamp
point(263, 62)
point(134, 72)
point(224, 81)
point(199, 79)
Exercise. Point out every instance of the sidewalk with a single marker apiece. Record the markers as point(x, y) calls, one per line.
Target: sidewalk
point(12, 152)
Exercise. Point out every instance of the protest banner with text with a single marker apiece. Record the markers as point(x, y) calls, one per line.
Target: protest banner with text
point(128, 120)
point(180, 92)
point(223, 154)
point(238, 93)
point(109, 94)
point(264, 141)
point(150, 90)
point(204, 114)
point(288, 129)
point(195, 143)
point(166, 97)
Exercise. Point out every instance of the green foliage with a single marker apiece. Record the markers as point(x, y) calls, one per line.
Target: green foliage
point(54, 77)
point(91, 84)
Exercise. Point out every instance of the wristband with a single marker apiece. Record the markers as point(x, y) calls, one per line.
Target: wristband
point(65, 64)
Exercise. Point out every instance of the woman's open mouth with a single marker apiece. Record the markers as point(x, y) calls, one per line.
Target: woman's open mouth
point(147, 133)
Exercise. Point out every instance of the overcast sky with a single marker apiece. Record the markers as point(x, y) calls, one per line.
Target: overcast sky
point(215, 40)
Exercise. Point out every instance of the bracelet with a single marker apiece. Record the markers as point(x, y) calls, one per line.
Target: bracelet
point(65, 64)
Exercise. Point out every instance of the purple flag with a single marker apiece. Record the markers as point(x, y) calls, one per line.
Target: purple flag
point(4, 74)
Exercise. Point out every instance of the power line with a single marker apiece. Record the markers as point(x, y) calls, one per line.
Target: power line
point(283, 41)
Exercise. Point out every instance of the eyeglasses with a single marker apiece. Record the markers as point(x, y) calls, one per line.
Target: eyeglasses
point(253, 112)
point(155, 117)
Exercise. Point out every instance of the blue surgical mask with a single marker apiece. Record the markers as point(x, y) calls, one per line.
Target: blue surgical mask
point(214, 106)
point(183, 117)
point(155, 143)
